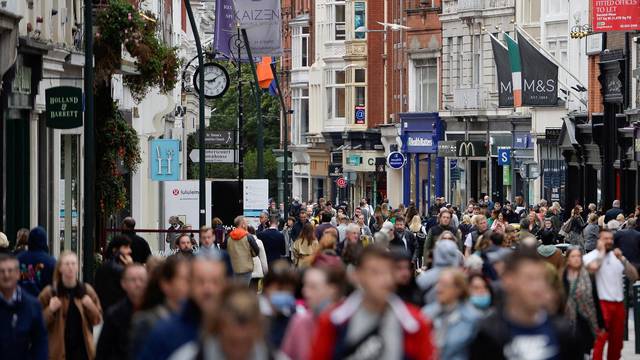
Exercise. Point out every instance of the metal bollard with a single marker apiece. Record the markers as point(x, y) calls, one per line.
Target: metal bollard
point(636, 314)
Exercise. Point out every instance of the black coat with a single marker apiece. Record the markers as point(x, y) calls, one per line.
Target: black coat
point(493, 336)
point(140, 250)
point(628, 241)
point(107, 283)
point(411, 247)
point(114, 338)
point(274, 244)
point(611, 214)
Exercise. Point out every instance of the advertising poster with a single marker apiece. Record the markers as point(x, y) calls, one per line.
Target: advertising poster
point(616, 15)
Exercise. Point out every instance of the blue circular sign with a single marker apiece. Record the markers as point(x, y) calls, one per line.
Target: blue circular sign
point(360, 114)
point(396, 160)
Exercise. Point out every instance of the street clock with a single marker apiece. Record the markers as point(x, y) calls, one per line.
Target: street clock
point(216, 80)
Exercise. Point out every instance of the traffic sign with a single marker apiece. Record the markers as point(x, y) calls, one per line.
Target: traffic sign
point(396, 160)
point(504, 156)
point(341, 182)
point(218, 137)
point(220, 156)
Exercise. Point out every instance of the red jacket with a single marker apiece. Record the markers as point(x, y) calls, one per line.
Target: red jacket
point(418, 342)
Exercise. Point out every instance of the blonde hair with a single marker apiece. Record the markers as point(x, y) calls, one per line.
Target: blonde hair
point(459, 280)
point(593, 218)
point(476, 218)
point(4, 242)
point(57, 276)
point(416, 224)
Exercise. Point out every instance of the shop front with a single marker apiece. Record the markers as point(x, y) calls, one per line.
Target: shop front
point(423, 173)
point(362, 175)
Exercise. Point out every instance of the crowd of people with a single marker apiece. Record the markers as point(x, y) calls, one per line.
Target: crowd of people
point(491, 281)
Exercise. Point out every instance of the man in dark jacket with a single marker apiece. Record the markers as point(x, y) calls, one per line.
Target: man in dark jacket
point(22, 331)
point(36, 265)
point(404, 239)
point(522, 329)
point(628, 241)
point(114, 338)
point(325, 223)
point(140, 250)
point(109, 273)
point(303, 218)
point(613, 213)
point(275, 246)
point(206, 285)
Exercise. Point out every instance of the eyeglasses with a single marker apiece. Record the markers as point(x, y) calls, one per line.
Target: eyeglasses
point(447, 238)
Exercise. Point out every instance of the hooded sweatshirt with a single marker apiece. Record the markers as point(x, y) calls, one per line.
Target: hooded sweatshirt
point(36, 265)
point(242, 248)
point(445, 254)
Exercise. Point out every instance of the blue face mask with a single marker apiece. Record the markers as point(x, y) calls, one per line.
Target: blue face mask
point(283, 301)
point(481, 301)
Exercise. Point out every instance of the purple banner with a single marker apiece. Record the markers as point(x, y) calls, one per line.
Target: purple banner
point(225, 26)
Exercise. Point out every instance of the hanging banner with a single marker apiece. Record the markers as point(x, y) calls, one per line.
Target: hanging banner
point(225, 27)
point(610, 15)
point(539, 76)
point(262, 21)
point(63, 106)
point(503, 69)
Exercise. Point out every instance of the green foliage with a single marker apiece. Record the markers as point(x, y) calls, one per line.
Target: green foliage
point(225, 117)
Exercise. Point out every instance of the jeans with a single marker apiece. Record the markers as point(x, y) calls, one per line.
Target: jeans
point(243, 278)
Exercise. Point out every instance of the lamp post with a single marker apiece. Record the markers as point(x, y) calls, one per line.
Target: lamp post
point(89, 149)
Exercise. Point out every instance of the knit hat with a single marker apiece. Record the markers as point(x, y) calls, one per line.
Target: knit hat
point(546, 250)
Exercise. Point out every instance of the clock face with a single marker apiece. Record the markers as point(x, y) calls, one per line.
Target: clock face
point(216, 80)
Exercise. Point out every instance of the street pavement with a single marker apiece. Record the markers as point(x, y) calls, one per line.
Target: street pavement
point(629, 347)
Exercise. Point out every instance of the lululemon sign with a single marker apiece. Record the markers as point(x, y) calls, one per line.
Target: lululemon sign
point(396, 160)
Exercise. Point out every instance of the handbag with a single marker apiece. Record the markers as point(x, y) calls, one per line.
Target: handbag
point(566, 228)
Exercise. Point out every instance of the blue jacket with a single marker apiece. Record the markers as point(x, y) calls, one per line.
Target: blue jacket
point(275, 247)
point(36, 265)
point(460, 329)
point(22, 331)
point(170, 334)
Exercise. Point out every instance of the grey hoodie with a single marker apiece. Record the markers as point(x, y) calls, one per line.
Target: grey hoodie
point(445, 254)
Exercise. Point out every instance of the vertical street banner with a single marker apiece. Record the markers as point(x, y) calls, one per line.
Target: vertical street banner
point(225, 26)
point(615, 15)
point(539, 76)
point(516, 70)
point(262, 21)
point(503, 69)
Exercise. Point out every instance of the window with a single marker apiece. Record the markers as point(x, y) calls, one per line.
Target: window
point(338, 16)
point(460, 65)
point(300, 46)
point(557, 8)
point(359, 20)
point(426, 85)
point(300, 124)
point(530, 13)
point(476, 51)
point(558, 48)
point(335, 94)
point(359, 95)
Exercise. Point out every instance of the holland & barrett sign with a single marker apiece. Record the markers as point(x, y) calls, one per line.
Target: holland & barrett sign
point(64, 107)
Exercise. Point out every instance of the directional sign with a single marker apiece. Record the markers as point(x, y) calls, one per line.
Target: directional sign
point(218, 137)
point(504, 156)
point(226, 156)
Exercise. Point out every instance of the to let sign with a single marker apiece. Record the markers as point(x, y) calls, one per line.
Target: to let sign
point(63, 107)
point(616, 15)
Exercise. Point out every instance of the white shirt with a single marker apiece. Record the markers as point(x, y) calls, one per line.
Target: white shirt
point(609, 276)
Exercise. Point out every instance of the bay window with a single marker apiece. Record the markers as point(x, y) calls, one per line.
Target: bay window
point(335, 94)
point(300, 46)
point(426, 84)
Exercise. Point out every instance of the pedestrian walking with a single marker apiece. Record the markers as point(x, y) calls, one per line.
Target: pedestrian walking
point(582, 307)
point(184, 246)
point(22, 241)
point(278, 302)
point(481, 293)
point(434, 234)
point(445, 255)
point(260, 264)
point(305, 246)
point(275, 246)
point(523, 329)
point(22, 331)
point(609, 266)
point(36, 265)
point(591, 232)
point(166, 290)
point(114, 342)
point(373, 320)
point(628, 241)
point(108, 275)
point(405, 279)
point(613, 213)
point(242, 247)
point(140, 250)
point(4, 244)
point(575, 228)
point(70, 309)
point(404, 239)
point(454, 319)
point(480, 227)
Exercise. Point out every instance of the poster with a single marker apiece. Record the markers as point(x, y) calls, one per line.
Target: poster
point(616, 15)
point(262, 21)
point(181, 199)
point(255, 199)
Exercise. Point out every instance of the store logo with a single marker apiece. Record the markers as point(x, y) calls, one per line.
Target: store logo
point(420, 141)
point(466, 149)
point(176, 192)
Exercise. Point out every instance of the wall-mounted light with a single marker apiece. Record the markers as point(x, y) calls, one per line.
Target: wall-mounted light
point(580, 31)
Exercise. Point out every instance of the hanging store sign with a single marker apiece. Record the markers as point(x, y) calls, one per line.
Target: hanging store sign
point(164, 157)
point(63, 107)
point(506, 175)
point(471, 149)
point(335, 170)
point(360, 160)
point(615, 15)
point(420, 143)
point(396, 160)
point(504, 156)
point(262, 21)
point(447, 148)
point(359, 115)
point(341, 182)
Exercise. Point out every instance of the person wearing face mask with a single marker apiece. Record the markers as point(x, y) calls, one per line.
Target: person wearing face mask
point(453, 318)
point(70, 310)
point(480, 293)
point(323, 287)
point(277, 301)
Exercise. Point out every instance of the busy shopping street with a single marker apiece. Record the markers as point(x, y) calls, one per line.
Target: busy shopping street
point(320, 179)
